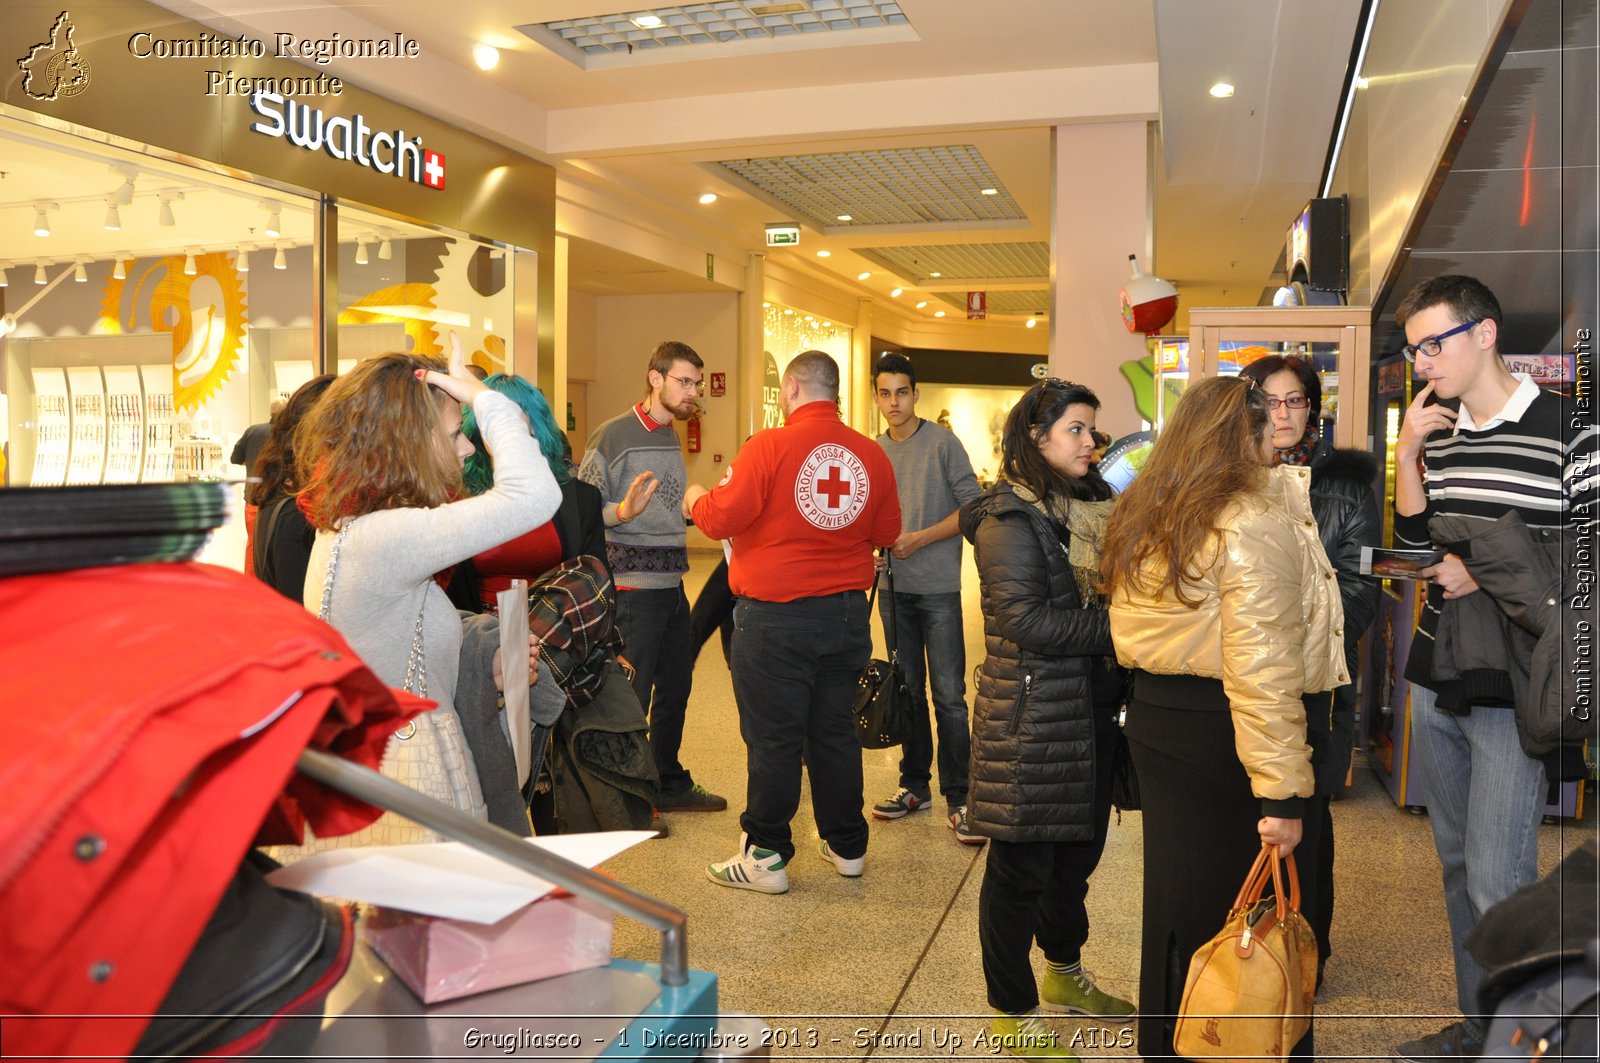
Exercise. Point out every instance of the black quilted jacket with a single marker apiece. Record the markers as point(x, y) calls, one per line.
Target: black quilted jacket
point(1032, 777)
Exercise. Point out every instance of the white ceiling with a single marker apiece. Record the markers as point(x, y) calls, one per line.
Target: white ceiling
point(1231, 174)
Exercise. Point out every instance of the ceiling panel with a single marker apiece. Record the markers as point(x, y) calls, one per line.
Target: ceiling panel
point(1021, 301)
point(953, 263)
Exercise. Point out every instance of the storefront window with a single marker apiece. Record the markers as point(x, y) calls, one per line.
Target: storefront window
point(787, 332)
point(141, 307)
point(404, 287)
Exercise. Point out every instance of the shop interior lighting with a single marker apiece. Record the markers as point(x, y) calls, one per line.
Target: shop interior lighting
point(1358, 84)
point(1032, 322)
point(119, 272)
point(846, 217)
point(80, 273)
point(487, 56)
point(647, 22)
point(989, 191)
point(1221, 90)
point(41, 220)
point(361, 251)
point(936, 273)
point(188, 264)
point(166, 218)
point(894, 293)
point(863, 275)
point(922, 303)
point(5, 282)
point(113, 215)
point(824, 254)
point(38, 274)
point(279, 259)
point(386, 249)
point(708, 198)
point(274, 226)
point(124, 192)
point(241, 261)
point(938, 313)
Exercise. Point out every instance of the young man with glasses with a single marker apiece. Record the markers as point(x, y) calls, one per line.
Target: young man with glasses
point(1508, 448)
point(935, 480)
point(632, 459)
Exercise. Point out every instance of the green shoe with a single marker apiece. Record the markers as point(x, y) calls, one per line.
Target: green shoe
point(1026, 1036)
point(1077, 994)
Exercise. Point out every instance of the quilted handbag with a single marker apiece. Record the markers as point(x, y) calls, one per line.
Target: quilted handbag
point(429, 754)
point(882, 709)
point(1249, 991)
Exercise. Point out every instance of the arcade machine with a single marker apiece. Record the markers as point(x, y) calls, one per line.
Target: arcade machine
point(1384, 728)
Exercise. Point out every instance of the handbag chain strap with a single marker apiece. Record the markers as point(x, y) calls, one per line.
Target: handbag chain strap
point(416, 663)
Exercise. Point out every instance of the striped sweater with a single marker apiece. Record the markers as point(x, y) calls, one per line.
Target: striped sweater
point(1539, 463)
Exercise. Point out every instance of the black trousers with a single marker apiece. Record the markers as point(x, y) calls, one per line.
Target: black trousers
point(1200, 839)
point(655, 637)
point(795, 666)
point(1034, 891)
point(713, 611)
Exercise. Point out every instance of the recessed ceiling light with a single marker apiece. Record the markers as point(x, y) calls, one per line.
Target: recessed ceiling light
point(824, 254)
point(1221, 90)
point(847, 217)
point(938, 313)
point(648, 22)
point(895, 294)
point(487, 56)
point(989, 191)
point(863, 275)
point(922, 304)
point(708, 198)
point(936, 273)
point(1031, 322)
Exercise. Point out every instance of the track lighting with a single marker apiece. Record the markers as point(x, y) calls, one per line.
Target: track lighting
point(5, 282)
point(386, 249)
point(274, 226)
point(361, 250)
point(188, 264)
point(280, 260)
point(124, 192)
point(166, 218)
point(79, 273)
point(241, 261)
point(38, 274)
point(119, 272)
point(113, 215)
point(41, 221)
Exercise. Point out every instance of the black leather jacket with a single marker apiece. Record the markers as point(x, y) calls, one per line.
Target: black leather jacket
point(1347, 519)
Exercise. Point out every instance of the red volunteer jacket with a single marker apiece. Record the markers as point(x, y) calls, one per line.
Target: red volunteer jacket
point(805, 505)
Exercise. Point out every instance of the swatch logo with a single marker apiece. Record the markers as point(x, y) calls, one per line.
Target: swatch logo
point(348, 139)
point(55, 69)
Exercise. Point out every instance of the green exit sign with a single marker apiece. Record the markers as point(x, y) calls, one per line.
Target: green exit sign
point(783, 235)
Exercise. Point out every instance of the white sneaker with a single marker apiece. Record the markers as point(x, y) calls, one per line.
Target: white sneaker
point(752, 868)
point(847, 868)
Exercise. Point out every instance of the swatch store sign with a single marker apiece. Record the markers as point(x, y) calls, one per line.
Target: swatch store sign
point(349, 139)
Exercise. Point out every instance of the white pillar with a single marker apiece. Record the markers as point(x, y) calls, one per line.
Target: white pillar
point(859, 377)
point(751, 364)
point(560, 311)
point(1100, 214)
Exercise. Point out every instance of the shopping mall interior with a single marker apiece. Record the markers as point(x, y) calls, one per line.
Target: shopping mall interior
point(205, 203)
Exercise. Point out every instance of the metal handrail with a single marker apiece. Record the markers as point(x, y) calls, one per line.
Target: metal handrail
point(376, 789)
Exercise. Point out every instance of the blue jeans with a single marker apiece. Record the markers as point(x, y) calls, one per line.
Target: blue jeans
point(794, 676)
point(1485, 797)
point(657, 642)
point(933, 652)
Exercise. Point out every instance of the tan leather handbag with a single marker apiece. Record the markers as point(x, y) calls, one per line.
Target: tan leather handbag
point(1249, 991)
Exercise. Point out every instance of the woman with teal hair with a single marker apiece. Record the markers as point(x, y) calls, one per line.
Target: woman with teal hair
point(478, 473)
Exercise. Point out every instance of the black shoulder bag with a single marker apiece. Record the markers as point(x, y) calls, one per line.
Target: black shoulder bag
point(883, 703)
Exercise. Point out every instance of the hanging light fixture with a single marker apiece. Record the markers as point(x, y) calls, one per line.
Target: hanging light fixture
point(166, 218)
point(280, 260)
point(361, 251)
point(274, 226)
point(386, 249)
point(113, 216)
point(41, 221)
point(241, 262)
point(80, 273)
point(188, 263)
point(119, 272)
point(38, 274)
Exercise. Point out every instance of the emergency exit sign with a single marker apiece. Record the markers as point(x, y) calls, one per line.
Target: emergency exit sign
point(783, 235)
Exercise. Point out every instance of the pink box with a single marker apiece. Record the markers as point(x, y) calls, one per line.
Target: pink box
point(441, 959)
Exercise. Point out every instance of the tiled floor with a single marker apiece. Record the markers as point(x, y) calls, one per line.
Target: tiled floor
point(888, 965)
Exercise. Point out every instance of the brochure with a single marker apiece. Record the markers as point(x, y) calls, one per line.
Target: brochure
point(1398, 564)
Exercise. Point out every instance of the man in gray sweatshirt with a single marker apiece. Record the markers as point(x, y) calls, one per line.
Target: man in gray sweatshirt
point(636, 462)
point(935, 478)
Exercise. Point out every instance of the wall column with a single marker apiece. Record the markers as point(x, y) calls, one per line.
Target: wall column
point(557, 387)
point(751, 363)
point(1100, 214)
point(860, 377)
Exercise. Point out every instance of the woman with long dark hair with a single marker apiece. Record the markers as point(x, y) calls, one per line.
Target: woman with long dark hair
point(1043, 725)
point(1224, 606)
point(281, 541)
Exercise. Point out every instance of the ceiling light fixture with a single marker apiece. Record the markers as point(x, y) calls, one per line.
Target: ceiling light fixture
point(938, 313)
point(113, 216)
point(647, 22)
point(79, 273)
point(894, 293)
point(824, 254)
point(274, 226)
point(124, 192)
point(241, 261)
point(1031, 322)
point(487, 56)
point(166, 217)
point(361, 251)
point(708, 198)
point(1221, 90)
point(279, 260)
point(188, 263)
point(38, 274)
point(385, 249)
point(119, 272)
point(863, 275)
point(847, 217)
point(5, 282)
point(989, 191)
point(936, 273)
point(922, 303)
point(41, 221)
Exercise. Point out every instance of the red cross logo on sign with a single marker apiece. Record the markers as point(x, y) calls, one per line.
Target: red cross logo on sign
point(832, 486)
point(432, 169)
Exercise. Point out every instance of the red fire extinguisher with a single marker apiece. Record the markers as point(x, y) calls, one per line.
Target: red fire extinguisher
point(694, 435)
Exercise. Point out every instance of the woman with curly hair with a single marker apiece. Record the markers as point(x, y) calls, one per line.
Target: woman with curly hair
point(1224, 606)
point(381, 459)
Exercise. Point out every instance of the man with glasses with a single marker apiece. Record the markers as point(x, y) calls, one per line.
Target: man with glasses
point(633, 459)
point(1489, 443)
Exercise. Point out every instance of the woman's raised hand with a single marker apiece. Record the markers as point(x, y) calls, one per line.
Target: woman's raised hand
point(457, 383)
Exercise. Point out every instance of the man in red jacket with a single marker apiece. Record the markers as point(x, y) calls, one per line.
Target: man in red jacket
point(805, 505)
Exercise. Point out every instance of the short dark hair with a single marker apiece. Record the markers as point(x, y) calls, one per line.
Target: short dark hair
point(895, 364)
point(1468, 298)
point(817, 373)
point(667, 354)
point(1273, 364)
point(1040, 407)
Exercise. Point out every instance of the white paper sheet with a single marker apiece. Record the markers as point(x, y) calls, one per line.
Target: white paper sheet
point(512, 607)
point(445, 878)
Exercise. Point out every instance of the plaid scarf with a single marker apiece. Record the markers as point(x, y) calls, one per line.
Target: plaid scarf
point(570, 613)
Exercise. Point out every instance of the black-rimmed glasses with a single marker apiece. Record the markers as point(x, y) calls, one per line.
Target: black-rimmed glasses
point(1433, 344)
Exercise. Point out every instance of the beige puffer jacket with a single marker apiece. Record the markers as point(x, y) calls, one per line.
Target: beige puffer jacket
point(1270, 626)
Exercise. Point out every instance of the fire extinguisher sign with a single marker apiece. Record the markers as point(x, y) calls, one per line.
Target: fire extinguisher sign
point(977, 306)
point(719, 385)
